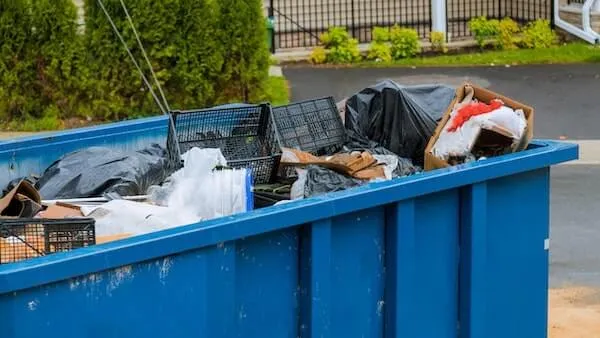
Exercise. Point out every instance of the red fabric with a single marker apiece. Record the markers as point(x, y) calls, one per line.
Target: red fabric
point(473, 109)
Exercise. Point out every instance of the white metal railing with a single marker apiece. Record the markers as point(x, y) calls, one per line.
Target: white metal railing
point(586, 33)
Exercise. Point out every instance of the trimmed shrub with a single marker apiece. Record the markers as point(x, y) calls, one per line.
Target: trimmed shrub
point(380, 34)
point(119, 90)
point(380, 49)
point(340, 47)
point(484, 29)
point(59, 60)
point(508, 31)
point(204, 52)
point(438, 42)
point(17, 71)
point(405, 42)
point(380, 52)
point(318, 56)
point(243, 36)
point(539, 34)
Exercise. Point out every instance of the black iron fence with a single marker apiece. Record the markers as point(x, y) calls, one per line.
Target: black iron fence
point(298, 23)
point(459, 12)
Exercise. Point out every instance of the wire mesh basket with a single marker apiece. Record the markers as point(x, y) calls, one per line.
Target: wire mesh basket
point(27, 238)
point(314, 126)
point(244, 133)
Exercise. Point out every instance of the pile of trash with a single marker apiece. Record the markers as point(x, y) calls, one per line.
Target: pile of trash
point(297, 151)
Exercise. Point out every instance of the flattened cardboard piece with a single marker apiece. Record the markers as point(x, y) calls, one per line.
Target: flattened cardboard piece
point(463, 92)
point(22, 201)
point(111, 238)
point(358, 165)
point(62, 210)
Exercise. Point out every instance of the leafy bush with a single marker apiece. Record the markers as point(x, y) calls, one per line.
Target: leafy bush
point(484, 29)
point(508, 30)
point(318, 56)
point(246, 52)
point(204, 52)
point(405, 42)
point(438, 42)
point(380, 49)
point(380, 34)
point(340, 47)
point(380, 52)
point(59, 59)
point(17, 71)
point(539, 34)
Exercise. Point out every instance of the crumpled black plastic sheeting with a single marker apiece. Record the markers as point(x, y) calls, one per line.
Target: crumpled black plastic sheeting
point(320, 181)
point(94, 171)
point(399, 118)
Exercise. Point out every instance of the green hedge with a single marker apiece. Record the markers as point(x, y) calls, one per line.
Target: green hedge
point(204, 52)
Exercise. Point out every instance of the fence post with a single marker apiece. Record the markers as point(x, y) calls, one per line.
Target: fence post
point(438, 16)
point(271, 18)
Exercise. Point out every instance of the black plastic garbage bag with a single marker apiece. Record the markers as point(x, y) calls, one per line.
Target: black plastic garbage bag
point(399, 118)
point(94, 171)
point(321, 181)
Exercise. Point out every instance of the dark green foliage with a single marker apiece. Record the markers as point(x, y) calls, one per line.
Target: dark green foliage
point(58, 59)
point(243, 34)
point(16, 67)
point(203, 51)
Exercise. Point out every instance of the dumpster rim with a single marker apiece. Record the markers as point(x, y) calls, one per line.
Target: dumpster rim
point(78, 134)
point(61, 266)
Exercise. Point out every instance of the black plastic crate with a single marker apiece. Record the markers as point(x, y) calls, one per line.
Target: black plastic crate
point(26, 238)
point(314, 126)
point(245, 134)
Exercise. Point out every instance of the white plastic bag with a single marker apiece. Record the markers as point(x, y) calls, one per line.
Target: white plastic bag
point(194, 193)
point(461, 141)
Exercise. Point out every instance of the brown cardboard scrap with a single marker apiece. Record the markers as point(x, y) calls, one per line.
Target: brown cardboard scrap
point(361, 165)
point(463, 94)
point(61, 210)
point(22, 201)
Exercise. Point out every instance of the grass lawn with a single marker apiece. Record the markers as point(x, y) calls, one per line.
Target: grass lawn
point(278, 91)
point(564, 54)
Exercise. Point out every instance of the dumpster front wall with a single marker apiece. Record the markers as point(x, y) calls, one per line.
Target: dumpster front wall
point(386, 271)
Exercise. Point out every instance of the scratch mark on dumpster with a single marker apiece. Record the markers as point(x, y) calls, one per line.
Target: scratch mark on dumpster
point(33, 304)
point(380, 305)
point(165, 267)
point(117, 277)
point(74, 284)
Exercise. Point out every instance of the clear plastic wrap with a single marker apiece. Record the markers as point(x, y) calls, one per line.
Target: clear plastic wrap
point(194, 193)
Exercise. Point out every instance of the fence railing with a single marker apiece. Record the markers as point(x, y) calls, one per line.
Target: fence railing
point(459, 12)
point(299, 23)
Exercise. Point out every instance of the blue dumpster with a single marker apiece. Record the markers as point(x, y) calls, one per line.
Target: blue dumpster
point(458, 252)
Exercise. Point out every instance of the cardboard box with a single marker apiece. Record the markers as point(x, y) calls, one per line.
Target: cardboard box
point(486, 136)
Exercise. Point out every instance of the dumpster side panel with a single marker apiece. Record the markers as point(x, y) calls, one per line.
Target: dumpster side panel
point(247, 286)
point(342, 276)
point(20, 158)
point(422, 266)
point(505, 257)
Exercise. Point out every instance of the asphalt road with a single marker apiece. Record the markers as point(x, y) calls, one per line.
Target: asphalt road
point(565, 97)
point(566, 101)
